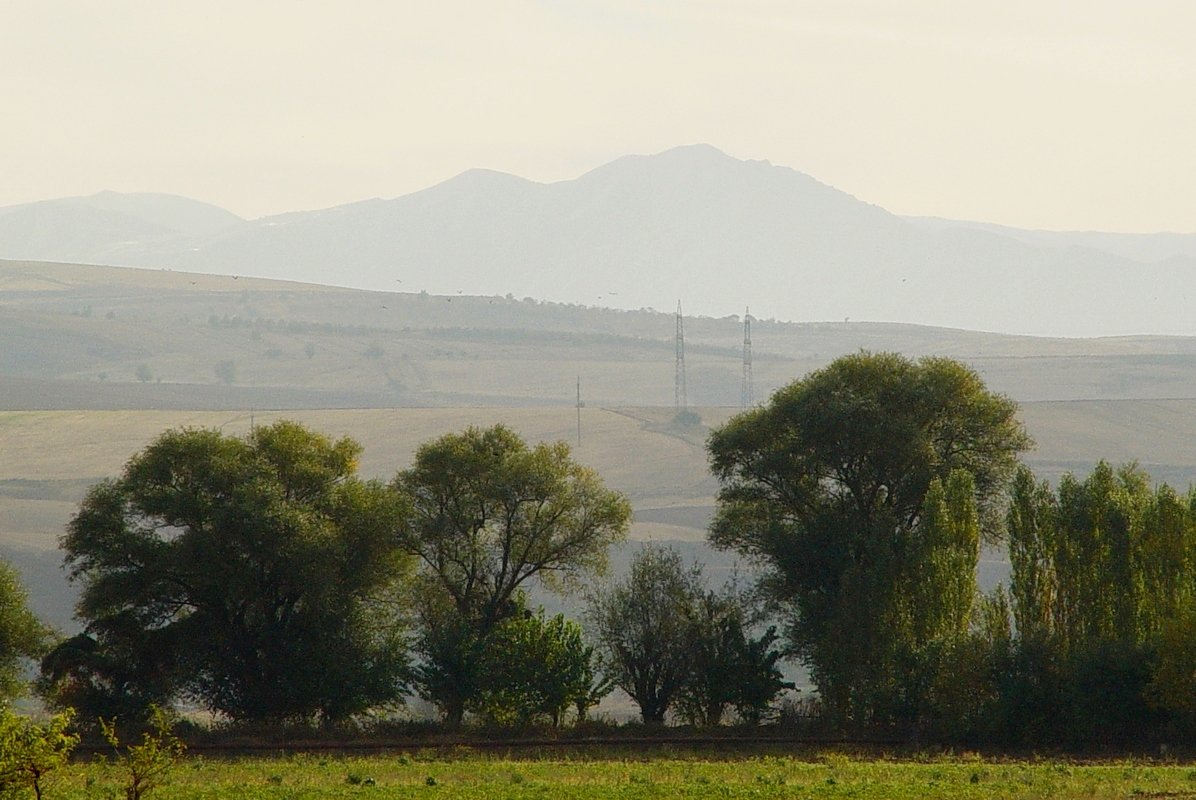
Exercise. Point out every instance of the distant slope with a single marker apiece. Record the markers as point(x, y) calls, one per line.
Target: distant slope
point(86, 337)
point(641, 232)
point(1144, 247)
point(108, 227)
point(179, 214)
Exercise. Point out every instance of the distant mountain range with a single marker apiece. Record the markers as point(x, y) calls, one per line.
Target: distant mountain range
point(691, 223)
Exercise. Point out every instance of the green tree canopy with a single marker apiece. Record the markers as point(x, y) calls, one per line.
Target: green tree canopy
point(537, 669)
point(22, 636)
point(644, 626)
point(825, 487)
point(490, 515)
point(1103, 583)
point(730, 666)
point(242, 572)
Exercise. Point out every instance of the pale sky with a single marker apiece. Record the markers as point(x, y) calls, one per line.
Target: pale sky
point(1036, 113)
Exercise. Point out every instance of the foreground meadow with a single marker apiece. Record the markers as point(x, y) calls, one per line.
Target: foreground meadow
point(467, 775)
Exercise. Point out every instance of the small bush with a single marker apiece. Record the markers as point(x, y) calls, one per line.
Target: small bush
point(145, 764)
point(29, 750)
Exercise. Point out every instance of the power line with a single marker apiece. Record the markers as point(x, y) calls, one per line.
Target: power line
point(747, 391)
point(680, 400)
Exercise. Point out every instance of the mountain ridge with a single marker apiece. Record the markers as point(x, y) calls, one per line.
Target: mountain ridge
point(692, 223)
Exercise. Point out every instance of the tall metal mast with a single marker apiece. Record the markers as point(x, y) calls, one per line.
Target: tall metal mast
point(747, 391)
point(579, 411)
point(680, 400)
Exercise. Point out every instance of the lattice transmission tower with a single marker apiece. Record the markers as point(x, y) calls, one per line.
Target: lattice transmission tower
point(680, 400)
point(747, 391)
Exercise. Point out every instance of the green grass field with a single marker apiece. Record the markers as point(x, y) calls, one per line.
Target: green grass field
point(465, 775)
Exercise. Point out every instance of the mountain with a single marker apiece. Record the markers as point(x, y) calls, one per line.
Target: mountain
point(1145, 247)
point(690, 223)
point(108, 227)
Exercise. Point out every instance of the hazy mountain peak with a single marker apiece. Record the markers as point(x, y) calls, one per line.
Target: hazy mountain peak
point(688, 158)
point(481, 178)
point(182, 214)
point(691, 222)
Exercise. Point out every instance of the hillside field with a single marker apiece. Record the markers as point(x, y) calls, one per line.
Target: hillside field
point(51, 457)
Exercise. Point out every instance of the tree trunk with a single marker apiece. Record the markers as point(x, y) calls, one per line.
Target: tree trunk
point(454, 712)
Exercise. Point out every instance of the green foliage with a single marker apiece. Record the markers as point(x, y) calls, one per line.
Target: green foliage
point(1102, 584)
point(490, 514)
point(30, 751)
point(145, 765)
point(114, 668)
point(1103, 559)
point(22, 636)
point(246, 573)
point(863, 490)
point(1171, 687)
point(537, 669)
point(524, 670)
point(643, 627)
point(452, 655)
point(729, 667)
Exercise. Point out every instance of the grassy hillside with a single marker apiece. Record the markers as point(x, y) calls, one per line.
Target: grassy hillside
point(112, 338)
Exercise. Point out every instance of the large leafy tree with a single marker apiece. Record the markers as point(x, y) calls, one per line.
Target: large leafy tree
point(490, 515)
point(245, 573)
point(22, 636)
point(825, 487)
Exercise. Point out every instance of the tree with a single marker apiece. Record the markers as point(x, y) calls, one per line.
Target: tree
point(145, 765)
point(489, 516)
point(29, 751)
point(22, 636)
point(825, 488)
point(452, 654)
point(246, 573)
point(644, 627)
point(729, 667)
point(537, 668)
point(1102, 587)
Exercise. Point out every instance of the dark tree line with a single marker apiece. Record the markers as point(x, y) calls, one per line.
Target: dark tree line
point(864, 492)
point(262, 579)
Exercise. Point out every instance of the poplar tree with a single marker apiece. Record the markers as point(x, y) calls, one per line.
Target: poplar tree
point(826, 488)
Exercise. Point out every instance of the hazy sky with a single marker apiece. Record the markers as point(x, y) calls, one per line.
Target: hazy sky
point(1037, 113)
